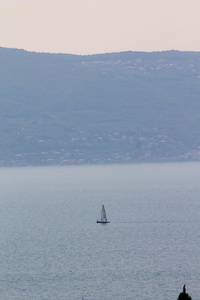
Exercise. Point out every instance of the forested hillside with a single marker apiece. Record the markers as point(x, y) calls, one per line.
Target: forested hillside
point(110, 108)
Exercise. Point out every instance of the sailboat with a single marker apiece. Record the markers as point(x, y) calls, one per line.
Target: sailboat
point(103, 216)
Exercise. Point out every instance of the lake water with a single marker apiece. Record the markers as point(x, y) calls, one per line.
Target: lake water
point(52, 248)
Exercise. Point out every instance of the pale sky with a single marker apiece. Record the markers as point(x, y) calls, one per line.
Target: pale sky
point(100, 26)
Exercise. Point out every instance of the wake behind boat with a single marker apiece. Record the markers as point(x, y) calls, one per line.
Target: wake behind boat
point(103, 216)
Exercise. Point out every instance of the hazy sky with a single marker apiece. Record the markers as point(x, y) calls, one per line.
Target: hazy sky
point(100, 26)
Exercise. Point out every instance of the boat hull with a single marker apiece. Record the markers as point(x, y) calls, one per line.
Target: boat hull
point(103, 222)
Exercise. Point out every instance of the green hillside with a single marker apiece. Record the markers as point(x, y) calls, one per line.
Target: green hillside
point(109, 108)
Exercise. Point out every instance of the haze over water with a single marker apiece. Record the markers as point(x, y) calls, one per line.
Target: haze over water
point(52, 248)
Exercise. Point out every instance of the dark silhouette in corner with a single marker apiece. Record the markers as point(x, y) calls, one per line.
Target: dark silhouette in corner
point(184, 295)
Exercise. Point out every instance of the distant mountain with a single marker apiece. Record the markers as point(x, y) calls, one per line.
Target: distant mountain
point(110, 108)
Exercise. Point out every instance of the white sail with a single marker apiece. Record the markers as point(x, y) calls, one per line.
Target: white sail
point(103, 214)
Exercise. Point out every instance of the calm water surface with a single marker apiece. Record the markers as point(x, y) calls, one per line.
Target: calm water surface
point(52, 248)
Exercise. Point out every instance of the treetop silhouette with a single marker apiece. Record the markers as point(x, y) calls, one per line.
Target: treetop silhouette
point(183, 295)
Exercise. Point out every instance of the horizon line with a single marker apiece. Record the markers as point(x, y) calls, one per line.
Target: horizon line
point(100, 53)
